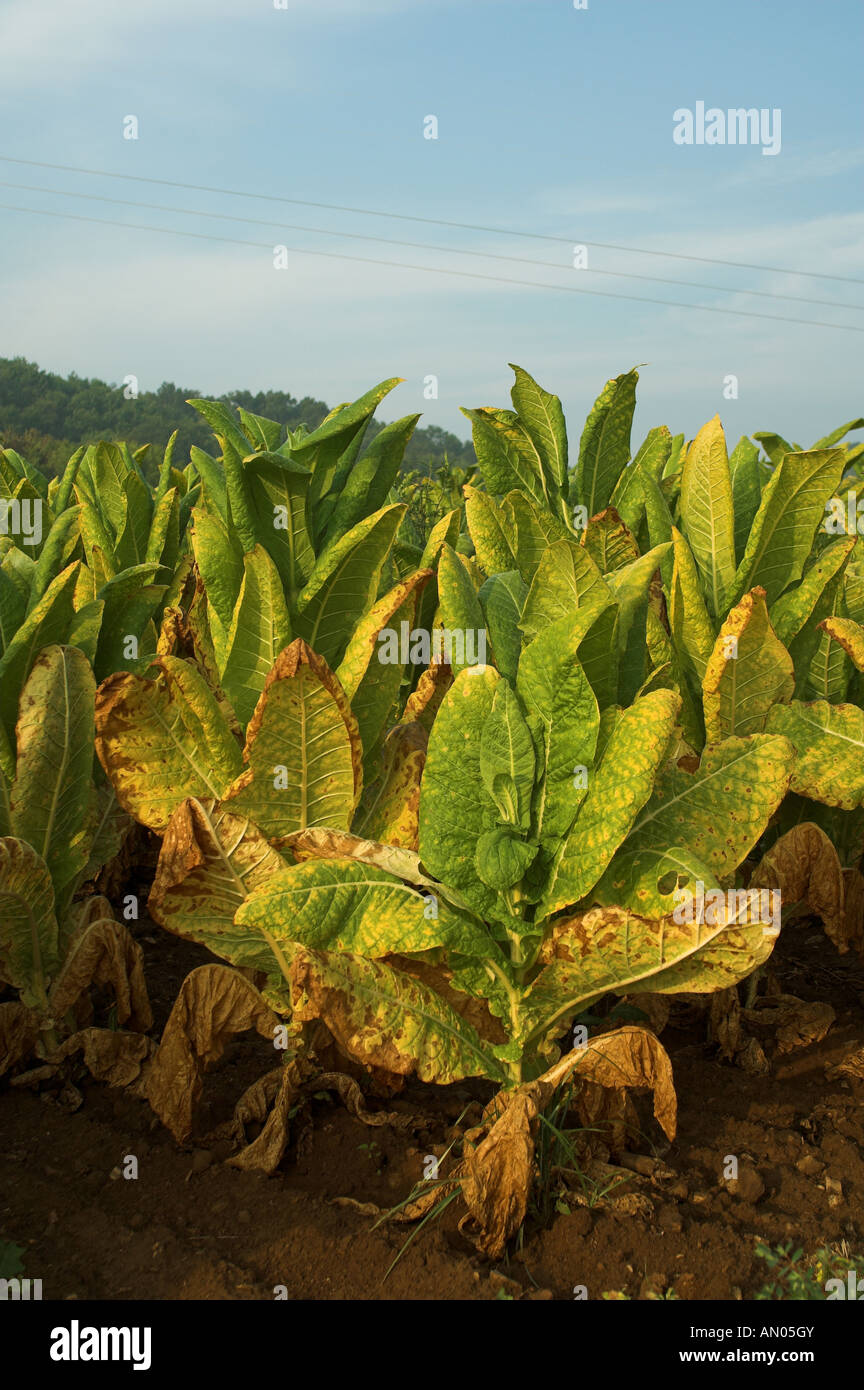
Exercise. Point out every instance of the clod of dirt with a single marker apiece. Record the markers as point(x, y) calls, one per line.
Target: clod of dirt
point(748, 1186)
point(809, 1165)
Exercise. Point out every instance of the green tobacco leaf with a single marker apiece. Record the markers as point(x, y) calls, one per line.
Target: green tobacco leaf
point(507, 456)
point(324, 449)
point(51, 794)
point(692, 630)
point(507, 758)
point(210, 862)
point(344, 584)
point(829, 669)
point(617, 791)
point(840, 433)
point(303, 752)
point(566, 578)
point(502, 858)
point(543, 418)
point(604, 449)
point(235, 447)
point(490, 532)
point(376, 698)
point(49, 622)
point(502, 599)
point(346, 905)
point(264, 433)
point(131, 548)
point(162, 740)
point(563, 717)
point(29, 952)
point(829, 750)
point(707, 519)
point(797, 606)
point(775, 445)
point(129, 601)
point(260, 628)
point(649, 881)
point(748, 475)
point(219, 558)
point(372, 477)
point(461, 611)
point(455, 808)
point(385, 1018)
point(278, 489)
point(748, 671)
point(792, 507)
point(533, 529)
point(629, 497)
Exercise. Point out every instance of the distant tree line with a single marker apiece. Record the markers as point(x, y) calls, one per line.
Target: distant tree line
point(45, 417)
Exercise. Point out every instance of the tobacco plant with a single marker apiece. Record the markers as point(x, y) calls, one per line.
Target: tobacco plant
point(297, 539)
point(57, 831)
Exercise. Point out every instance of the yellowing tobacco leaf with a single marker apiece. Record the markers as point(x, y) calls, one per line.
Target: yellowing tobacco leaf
point(829, 748)
point(617, 791)
point(162, 740)
point(383, 1018)
point(302, 749)
point(209, 863)
point(390, 807)
point(748, 671)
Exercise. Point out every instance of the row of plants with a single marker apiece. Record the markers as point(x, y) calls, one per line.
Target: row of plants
point(437, 866)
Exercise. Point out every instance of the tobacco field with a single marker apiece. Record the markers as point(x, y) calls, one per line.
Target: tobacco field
point(437, 887)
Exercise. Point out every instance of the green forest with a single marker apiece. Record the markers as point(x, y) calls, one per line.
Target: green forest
point(45, 417)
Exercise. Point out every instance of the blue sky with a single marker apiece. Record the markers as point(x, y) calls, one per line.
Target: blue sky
point(551, 120)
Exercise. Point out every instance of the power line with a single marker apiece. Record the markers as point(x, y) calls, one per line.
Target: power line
point(423, 245)
point(436, 270)
point(430, 221)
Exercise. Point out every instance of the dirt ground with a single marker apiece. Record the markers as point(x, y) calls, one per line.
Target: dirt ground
point(189, 1227)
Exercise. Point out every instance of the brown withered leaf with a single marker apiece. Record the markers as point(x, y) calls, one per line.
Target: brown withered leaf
point(390, 808)
point(850, 1068)
point(629, 1057)
point(213, 1005)
point(267, 1102)
point(102, 952)
point(354, 1101)
point(113, 1057)
point(804, 865)
point(19, 1033)
point(497, 1174)
point(173, 635)
point(792, 1023)
point(423, 704)
point(724, 1025)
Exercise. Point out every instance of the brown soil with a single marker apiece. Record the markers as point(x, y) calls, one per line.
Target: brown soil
point(190, 1227)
